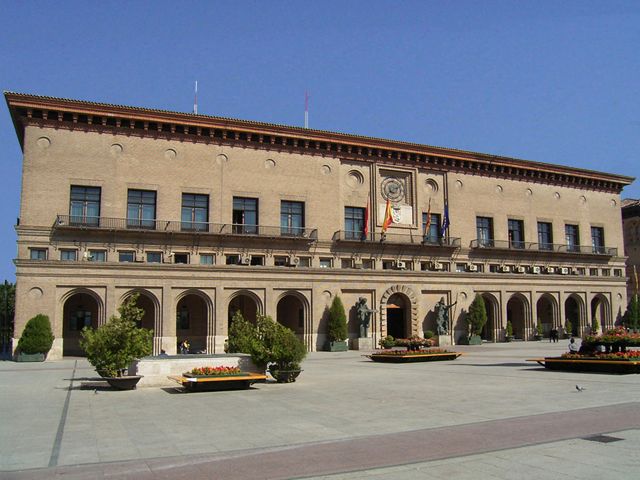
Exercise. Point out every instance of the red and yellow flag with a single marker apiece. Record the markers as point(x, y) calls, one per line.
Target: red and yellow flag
point(388, 219)
point(428, 224)
point(365, 229)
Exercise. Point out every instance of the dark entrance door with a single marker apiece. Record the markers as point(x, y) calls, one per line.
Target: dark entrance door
point(395, 322)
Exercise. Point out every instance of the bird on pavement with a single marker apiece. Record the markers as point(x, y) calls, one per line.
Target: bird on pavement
point(580, 389)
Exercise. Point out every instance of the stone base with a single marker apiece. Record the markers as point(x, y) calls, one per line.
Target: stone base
point(443, 340)
point(156, 369)
point(365, 343)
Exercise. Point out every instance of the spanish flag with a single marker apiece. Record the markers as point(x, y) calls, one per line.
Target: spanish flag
point(388, 219)
point(365, 227)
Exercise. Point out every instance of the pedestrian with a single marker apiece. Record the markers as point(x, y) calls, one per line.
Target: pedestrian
point(573, 346)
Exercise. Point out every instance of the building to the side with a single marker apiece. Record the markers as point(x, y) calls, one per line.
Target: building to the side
point(631, 232)
point(204, 216)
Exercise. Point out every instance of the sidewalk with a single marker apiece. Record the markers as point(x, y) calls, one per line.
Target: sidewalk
point(488, 414)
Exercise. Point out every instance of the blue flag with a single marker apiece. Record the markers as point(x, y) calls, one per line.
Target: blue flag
point(445, 220)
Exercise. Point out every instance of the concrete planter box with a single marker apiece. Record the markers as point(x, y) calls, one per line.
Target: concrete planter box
point(337, 346)
point(30, 357)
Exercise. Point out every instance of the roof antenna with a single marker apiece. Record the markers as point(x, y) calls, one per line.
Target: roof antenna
point(306, 109)
point(195, 99)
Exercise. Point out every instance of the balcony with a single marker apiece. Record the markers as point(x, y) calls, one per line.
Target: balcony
point(552, 248)
point(74, 223)
point(398, 239)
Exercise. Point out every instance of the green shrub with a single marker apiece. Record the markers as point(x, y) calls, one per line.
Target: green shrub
point(539, 329)
point(337, 325)
point(37, 336)
point(242, 335)
point(509, 329)
point(113, 346)
point(631, 317)
point(428, 334)
point(568, 328)
point(477, 316)
point(387, 342)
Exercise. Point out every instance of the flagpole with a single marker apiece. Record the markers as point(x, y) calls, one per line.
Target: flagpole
point(195, 99)
point(306, 109)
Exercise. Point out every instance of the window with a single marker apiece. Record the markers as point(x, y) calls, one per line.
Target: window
point(232, 260)
point(180, 258)
point(291, 218)
point(280, 261)
point(606, 272)
point(353, 223)
point(516, 233)
point(346, 263)
point(84, 206)
point(183, 318)
point(195, 212)
point(97, 256)
point(68, 255)
point(38, 253)
point(304, 262)
point(432, 232)
point(245, 215)
point(206, 259)
point(79, 319)
point(617, 272)
point(572, 237)
point(154, 257)
point(388, 265)
point(593, 272)
point(325, 263)
point(257, 260)
point(545, 236)
point(126, 256)
point(141, 209)
point(484, 229)
point(368, 264)
point(597, 239)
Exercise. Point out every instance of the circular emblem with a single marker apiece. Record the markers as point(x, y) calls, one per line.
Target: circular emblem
point(392, 189)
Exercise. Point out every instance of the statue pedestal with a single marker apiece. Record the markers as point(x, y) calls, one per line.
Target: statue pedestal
point(443, 340)
point(365, 343)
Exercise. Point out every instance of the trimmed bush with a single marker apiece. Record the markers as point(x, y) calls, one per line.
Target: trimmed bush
point(113, 346)
point(337, 325)
point(631, 317)
point(387, 342)
point(428, 334)
point(37, 336)
point(477, 316)
point(509, 329)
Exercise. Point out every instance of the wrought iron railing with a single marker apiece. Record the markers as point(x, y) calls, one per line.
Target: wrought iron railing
point(131, 224)
point(396, 238)
point(543, 247)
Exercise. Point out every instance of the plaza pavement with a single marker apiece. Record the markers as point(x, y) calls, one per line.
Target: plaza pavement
point(486, 415)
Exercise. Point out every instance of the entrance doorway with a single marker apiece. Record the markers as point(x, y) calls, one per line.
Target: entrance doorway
point(397, 318)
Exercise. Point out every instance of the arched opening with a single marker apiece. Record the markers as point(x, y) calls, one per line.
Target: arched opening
point(290, 313)
point(246, 305)
point(572, 314)
point(599, 314)
point(491, 306)
point(192, 315)
point(398, 316)
point(80, 310)
point(146, 303)
point(546, 309)
point(516, 314)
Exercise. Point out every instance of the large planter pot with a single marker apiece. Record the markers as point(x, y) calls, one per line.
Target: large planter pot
point(475, 340)
point(127, 382)
point(284, 376)
point(30, 357)
point(337, 346)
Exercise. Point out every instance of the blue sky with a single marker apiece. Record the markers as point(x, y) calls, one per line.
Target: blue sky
point(548, 81)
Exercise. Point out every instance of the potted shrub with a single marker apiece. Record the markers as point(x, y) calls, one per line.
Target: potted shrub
point(538, 333)
point(509, 332)
point(113, 346)
point(631, 318)
point(36, 340)
point(337, 327)
point(476, 319)
point(387, 342)
point(568, 328)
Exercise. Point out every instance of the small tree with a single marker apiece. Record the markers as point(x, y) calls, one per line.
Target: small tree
point(568, 328)
point(337, 325)
point(113, 346)
point(477, 316)
point(242, 335)
point(539, 329)
point(631, 317)
point(596, 326)
point(37, 336)
point(509, 329)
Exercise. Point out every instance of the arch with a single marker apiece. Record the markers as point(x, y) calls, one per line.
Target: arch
point(600, 313)
point(574, 312)
point(81, 308)
point(247, 302)
point(518, 312)
point(194, 311)
point(151, 306)
point(547, 311)
point(491, 305)
point(292, 311)
point(411, 309)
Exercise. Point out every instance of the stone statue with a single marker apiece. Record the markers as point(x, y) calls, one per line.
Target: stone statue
point(442, 316)
point(364, 316)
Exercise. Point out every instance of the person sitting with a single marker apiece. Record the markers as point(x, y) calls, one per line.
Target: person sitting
point(573, 346)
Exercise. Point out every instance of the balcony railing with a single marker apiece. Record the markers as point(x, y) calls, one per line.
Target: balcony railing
point(130, 224)
point(396, 238)
point(543, 247)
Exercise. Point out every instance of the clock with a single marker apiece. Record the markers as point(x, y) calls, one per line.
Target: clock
point(392, 189)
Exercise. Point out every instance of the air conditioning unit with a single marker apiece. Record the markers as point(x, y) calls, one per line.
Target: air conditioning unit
point(471, 267)
point(575, 271)
point(401, 265)
point(535, 269)
point(564, 271)
point(505, 268)
point(294, 261)
point(245, 260)
point(436, 266)
point(521, 269)
point(550, 270)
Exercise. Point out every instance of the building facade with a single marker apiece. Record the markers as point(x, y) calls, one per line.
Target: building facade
point(631, 232)
point(203, 216)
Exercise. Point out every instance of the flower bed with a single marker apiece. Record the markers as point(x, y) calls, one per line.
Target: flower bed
point(405, 356)
point(621, 362)
point(214, 372)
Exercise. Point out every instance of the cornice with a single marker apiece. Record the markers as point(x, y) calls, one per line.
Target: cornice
point(133, 121)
